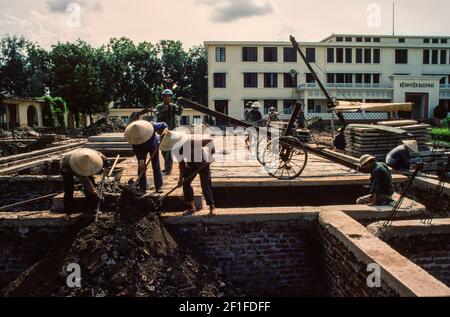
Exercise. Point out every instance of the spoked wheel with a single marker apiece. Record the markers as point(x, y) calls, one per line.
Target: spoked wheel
point(284, 158)
point(263, 146)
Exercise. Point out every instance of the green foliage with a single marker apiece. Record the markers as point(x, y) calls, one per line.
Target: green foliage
point(54, 111)
point(440, 112)
point(446, 123)
point(441, 135)
point(90, 78)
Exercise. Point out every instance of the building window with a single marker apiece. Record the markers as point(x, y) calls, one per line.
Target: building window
point(359, 39)
point(270, 80)
point(367, 78)
point(367, 56)
point(444, 41)
point(270, 54)
point(348, 78)
point(311, 54)
point(250, 54)
point(290, 55)
point(376, 56)
point(220, 80)
point(221, 106)
point(402, 40)
point(401, 56)
point(359, 78)
point(197, 120)
point(310, 78)
point(221, 56)
point(250, 80)
point(367, 39)
point(339, 55)
point(288, 106)
point(376, 39)
point(185, 120)
point(348, 55)
point(125, 120)
point(435, 41)
point(269, 104)
point(312, 108)
point(290, 81)
point(340, 78)
point(330, 78)
point(359, 55)
point(434, 57)
point(376, 78)
point(339, 39)
point(330, 55)
point(443, 81)
point(348, 39)
point(426, 41)
point(443, 57)
point(426, 57)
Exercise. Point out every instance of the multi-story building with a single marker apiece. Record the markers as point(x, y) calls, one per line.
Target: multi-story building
point(363, 68)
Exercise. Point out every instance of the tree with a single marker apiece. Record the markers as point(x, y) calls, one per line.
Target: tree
point(197, 72)
point(174, 61)
point(137, 72)
point(77, 77)
point(13, 77)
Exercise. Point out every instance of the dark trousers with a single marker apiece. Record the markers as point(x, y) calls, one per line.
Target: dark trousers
point(205, 180)
point(69, 206)
point(142, 152)
point(168, 161)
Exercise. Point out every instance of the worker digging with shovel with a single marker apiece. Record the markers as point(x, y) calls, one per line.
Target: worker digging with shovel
point(83, 164)
point(141, 135)
point(195, 155)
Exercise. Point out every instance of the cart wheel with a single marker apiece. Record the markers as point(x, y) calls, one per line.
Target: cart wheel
point(284, 158)
point(261, 148)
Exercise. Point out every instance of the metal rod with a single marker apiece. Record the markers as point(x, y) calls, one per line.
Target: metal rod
point(28, 201)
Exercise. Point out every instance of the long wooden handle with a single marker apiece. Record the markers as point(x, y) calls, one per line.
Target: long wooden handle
point(114, 166)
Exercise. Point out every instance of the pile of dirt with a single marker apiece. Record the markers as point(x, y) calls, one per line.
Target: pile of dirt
point(128, 253)
point(104, 126)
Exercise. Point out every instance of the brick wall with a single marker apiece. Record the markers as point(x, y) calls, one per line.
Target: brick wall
point(21, 188)
point(271, 258)
point(21, 247)
point(430, 252)
point(344, 274)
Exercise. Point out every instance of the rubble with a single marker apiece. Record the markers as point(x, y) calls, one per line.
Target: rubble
point(104, 126)
point(129, 253)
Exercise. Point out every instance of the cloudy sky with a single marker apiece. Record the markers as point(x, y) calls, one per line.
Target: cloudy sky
point(194, 21)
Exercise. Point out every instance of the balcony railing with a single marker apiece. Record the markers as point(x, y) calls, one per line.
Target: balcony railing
point(333, 86)
point(445, 86)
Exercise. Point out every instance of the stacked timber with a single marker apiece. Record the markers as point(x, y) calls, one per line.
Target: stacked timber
point(380, 139)
point(110, 144)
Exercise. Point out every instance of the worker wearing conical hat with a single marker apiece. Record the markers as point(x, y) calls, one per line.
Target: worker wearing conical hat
point(381, 187)
point(400, 157)
point(142, 136)
point(195, 155)
point(84, 164)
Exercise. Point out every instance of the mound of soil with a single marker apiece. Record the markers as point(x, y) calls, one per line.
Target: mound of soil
point(125, 254)
point(104, 126)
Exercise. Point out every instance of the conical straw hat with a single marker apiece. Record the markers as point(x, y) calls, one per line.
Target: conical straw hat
point(139, 132)
point(170, 139)
point(86, 162)
point(412, 145)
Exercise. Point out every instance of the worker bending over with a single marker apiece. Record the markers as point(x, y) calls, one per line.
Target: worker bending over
point(141, 135)
point(195, 156)
point(381, 188)
point(339, 142)
point(84, 164)
point(399, 158)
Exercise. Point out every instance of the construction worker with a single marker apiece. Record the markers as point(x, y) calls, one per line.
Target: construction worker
point(247, 109)
point(141, 135)
point(273, 116)
point(195, 155)
point(255, 119)
point(301, 116)
point(399, 158)
point(84, 164)
point(167, 112)
point(381, 188)
point(339, 142)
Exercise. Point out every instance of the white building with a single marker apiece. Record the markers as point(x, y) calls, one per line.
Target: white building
point(362, 68)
